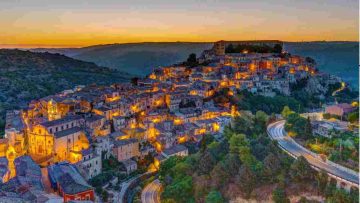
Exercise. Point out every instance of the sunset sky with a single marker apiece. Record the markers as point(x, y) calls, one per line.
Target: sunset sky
point(76, 23)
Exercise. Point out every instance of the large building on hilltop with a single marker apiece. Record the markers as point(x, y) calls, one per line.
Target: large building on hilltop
point(220, 46)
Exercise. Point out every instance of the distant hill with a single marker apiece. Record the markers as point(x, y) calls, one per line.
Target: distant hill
point(26, 75)
point(339, 58)
point(134, 58)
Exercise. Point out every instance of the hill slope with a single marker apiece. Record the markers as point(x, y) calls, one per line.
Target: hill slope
point(338, 58)
point(135, 58)
point(25, 75)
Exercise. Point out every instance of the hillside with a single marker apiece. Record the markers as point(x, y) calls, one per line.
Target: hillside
point(25, 75)
point(134, 58)
point(338, 58)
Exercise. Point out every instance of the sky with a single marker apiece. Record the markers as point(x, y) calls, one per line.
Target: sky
point(69, 23)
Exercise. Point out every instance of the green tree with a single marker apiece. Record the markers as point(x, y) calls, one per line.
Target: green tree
point(179, 190)
point(308, 129)
point(260, 120)
point(295, 123)
point(166, 166)
point(248, 159)
point(181, 169)
point(286, 112)
point(243, 124)
point(236, 142)
point(353, 117)
point(279, 196)
point(214, 197)
point(301, 170)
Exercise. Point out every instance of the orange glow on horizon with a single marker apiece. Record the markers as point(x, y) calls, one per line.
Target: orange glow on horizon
point(29, 24)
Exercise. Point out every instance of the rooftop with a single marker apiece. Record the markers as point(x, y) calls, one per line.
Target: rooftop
point(67, 132)
point(119, 143)
point(66, 119)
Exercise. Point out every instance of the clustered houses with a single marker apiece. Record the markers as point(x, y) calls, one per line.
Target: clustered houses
point(265, 74)
point(77, 128)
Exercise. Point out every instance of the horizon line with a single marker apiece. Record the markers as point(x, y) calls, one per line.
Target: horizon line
point(54, 46)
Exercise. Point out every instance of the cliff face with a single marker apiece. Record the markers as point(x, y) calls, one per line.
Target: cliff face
point(314, 86)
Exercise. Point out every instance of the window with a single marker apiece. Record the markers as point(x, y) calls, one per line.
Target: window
point(72, 124)
point(67, 126)
point(56, 129)
point(62, 127)
point(50, 130)
point(69, 140)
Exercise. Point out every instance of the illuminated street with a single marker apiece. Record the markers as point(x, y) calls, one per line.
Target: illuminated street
point(150, 193)
point(276, 131)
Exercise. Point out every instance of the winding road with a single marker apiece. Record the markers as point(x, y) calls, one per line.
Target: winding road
point(151, 193)
point(277, 132)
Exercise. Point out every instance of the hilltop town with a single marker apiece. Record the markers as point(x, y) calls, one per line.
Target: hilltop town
point(57, 146)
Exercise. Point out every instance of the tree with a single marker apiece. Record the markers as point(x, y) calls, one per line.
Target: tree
point(295, 124)
point(230, 49)
point(236, 141)
point(219, 177)
point(286, 112)
point(191, 60)
point(181, 169)
point(248, 159)
point(214, 197)
point(246, 180)
point(260, 120)
point(322, 180)
point(353, 117)
point(310, 60)
point(166, 166)
point(278, 48)
point(201, 186)
point(206, 163)
point(104, 195)
point(243, 124)
point(271, 166)
point(232, 163)
point(340, 195)
point(134, 80)
point(279, 196)
point(301, 170)
point(205, 141)
point(308, 129)
point(180, 190)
